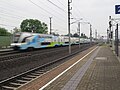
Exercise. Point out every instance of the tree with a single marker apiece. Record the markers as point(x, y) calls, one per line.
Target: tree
point(16, 30)
point(4, 32)
point(55, 34)
point(68, 35)
point(33, 25)
point(83, 35)
point(75, 35)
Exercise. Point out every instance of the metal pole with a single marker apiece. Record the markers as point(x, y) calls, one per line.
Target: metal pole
point(69, 26)
point(79, 32)
point(110, 25)
point(90, 34)
point(107, 36)
point(50, 25)
point(116, 40)
point(95, 34)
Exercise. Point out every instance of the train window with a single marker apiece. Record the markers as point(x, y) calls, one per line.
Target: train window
point(39, 36)
point(25, 39)
point(45, 43)
point(16, 38)
point(17, 35)
point(45, 36)
point(16, 41)
point(66, 42)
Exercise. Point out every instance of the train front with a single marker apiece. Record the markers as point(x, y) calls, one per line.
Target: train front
point(20, 41)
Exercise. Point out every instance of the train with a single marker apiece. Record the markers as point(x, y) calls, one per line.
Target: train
point(29, 41)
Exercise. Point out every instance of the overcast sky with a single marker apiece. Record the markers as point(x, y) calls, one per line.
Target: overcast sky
point(97, 12)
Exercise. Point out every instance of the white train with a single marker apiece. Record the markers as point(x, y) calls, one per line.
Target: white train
point(25, 40)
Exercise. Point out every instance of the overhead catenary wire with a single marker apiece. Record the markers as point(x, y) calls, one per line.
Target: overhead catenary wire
point(9, 12)
point(53, 9)
point(62, 4)
point(43, 9)
point(63, 21)
point(21, 14)
point(44, 12)
point(57, 6)
point(11, 9)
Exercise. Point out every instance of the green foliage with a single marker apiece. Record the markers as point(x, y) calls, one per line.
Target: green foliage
point(55, 34)
point(33, 25)
point(75, 35)
point(68, 35)
point(16, 30)
point(83, 35)
point(5, 41)
point(3, 32)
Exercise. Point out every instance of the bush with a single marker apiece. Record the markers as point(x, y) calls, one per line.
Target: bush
point(5, 41)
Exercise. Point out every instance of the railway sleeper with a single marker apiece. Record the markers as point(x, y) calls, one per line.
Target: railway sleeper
point(35, 74)
point(39, 72)
point(8, 88)
point(31, 76)
point(23, 81)
point(18, 84)
point(27, 78)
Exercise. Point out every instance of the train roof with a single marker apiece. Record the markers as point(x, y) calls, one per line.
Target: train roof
point(30, 33)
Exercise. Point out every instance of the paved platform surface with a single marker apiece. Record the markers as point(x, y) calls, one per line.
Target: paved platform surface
point(99, 71)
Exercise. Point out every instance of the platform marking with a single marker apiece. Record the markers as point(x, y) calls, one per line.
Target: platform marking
point(66, 70)
point(101, 58)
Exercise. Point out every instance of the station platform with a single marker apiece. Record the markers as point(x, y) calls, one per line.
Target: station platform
point(99, 70)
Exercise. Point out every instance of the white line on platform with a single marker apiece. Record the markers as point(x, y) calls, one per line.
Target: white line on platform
point(66, 70)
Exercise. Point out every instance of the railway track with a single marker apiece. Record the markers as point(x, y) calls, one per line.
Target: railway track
point(3, 53)
point(8, 56)
point(18, 81)
point(11, 67)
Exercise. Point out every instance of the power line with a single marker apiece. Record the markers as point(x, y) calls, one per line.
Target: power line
point(52, 9)
point(46, 11)
point(40, 7)
point(18, 11)
point(61, 3)
point(43, 9)
point(64, 6)
point(57, 6)
point(10, 12)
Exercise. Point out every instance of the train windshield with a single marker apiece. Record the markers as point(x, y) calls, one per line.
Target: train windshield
point(16, 38)
point(21, 37)
point(26, 39)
